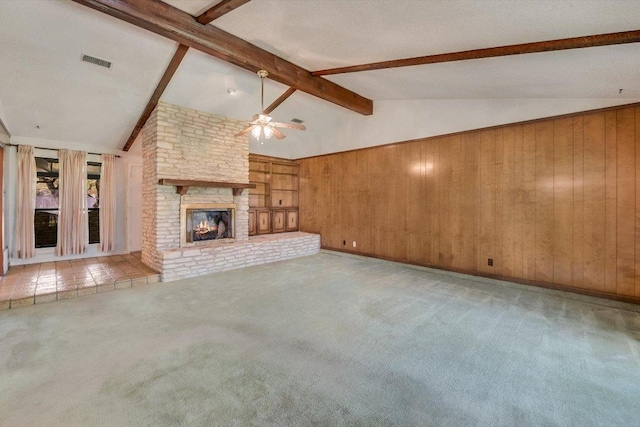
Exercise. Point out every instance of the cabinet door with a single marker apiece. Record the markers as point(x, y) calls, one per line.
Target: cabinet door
point(264, 222)
point(292, 220)
point(252, 222)
point(279, 219)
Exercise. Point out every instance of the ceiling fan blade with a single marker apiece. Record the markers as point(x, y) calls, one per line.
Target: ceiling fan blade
point(277, 133)
point(289, 125)
point(245, 131)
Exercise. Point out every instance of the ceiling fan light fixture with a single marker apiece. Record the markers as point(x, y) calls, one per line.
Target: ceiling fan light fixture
point(262, 132)
point(262, 128)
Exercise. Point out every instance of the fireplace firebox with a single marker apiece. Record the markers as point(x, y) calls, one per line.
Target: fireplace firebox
point(202, 223)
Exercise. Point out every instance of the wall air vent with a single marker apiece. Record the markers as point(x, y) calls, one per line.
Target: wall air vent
point(96, 61)
point(294, 120)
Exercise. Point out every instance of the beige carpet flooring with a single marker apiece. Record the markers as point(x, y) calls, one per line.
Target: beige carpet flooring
point(326, 340)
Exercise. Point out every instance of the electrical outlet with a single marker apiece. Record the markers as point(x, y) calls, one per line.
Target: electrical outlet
point(490, 262)
point(354, 243)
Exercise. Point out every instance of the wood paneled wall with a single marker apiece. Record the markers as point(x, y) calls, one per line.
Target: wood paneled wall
point(555, 201)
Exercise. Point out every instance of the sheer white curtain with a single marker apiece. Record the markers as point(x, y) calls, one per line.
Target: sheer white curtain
point(107, 198)
point(26, 203)
point(72, 223)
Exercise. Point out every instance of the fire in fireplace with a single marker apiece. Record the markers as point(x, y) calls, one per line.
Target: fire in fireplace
point(208, 224)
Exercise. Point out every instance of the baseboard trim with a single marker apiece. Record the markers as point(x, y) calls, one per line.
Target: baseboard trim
point(546, 285)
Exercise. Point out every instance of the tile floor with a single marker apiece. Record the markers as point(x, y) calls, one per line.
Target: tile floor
point(51, 281)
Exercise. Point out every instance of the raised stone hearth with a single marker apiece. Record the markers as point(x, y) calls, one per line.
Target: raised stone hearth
point(196, 261)
point(184, 144)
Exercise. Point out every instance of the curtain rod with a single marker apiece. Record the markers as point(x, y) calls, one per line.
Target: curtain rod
point(55, 149)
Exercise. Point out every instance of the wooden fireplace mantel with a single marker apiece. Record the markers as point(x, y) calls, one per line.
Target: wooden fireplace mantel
point(182, 185)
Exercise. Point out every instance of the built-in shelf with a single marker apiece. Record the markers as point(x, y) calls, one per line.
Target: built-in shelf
point(182, 185)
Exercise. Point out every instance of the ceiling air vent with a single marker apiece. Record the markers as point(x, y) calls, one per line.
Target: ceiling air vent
point(96, 61)
point(294, 120)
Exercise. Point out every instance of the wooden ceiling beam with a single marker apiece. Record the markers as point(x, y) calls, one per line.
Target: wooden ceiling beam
point(162, 85)
point(215, 12)
point(492, 52)
point(220, 9)
point(168, 21)
point(279, 101)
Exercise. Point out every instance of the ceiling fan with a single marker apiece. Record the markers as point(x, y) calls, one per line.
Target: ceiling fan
point(262, 127)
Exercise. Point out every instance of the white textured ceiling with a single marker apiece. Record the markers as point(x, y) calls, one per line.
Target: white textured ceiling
point(320, 34)
point(202, 83)
point(577, 73)
point(43, 83)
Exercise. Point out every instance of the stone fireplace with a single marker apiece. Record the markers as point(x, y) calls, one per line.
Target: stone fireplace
point(185, 145)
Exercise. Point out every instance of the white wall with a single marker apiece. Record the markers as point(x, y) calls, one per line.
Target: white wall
point(122, 173)
point(134, 208)
point(395, 121)
point(134, 196)
point(4, 139)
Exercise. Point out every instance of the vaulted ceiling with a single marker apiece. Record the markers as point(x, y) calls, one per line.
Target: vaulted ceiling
point(46, 92)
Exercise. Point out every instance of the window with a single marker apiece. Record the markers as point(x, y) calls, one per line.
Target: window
point(93, 203)
point(48, 207)
point(47, 203)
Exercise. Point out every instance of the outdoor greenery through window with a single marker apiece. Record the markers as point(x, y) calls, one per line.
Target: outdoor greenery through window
point(48, 207)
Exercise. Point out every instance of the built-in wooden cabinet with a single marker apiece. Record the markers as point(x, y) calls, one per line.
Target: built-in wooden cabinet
point(273, 204)
point(279, 223)
point(263, 221)
point(252, 223)
point(260, 175)
point(284, 185)
point(292, 220)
